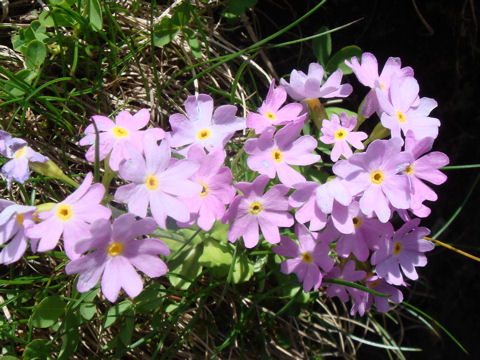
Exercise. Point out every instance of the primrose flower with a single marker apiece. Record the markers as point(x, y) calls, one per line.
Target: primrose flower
point(338, 131)
point(272, 113)
point(157, 181)
point(202, 125)
point(402, 111)
point(307, 257)
point(14, 219)
point(254, 209)
point(71, 217)
point(113, 135)
point(376, 175)
point(367, 74)
point(348, 273)
point(273, 154)
point(405, 250)
point(423, 168)
point(4, 138)
point(364, 302)
point(20, 154)
point(116, 253)
point(309, 86)
point(304, 198)
point(218, 191)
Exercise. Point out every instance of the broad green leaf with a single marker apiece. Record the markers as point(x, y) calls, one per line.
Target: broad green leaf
point(95, 14)
point(164, 32)
point(219, 231)
point(185, 268)
point(322, 46)
point(182, 14)
point(38, 349)
point(88, 308)
point(48, 312)
point(337, 110)
point(70, 337)
point(149, 299)
point(243, 270)
point(193, 42)
point(115, 312)
point(35, 54)
point(126, 330)
point(9, 357)
point(56, 17)
point(337, 61)
point(216, 253)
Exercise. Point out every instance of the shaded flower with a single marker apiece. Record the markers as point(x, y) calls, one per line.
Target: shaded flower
point(71, 217)
point(116, 253)
point(14, 219)
point(348, 273)
point(308, 257)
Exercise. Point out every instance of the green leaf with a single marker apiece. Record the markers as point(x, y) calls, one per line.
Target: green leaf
point(216, 254)
point(37, 349)
point(48, 312)
point(243, 269)
point(182, 14)
point(337, 61)
point(115, 312)
point(235, 8)
point(185, 268)
point(322, 46)
point(164, 32)
point(149, 299)
point(338, 110)
point(35, 54)
point(193, 42)
point(88, 308)
point(56, 16)
point(127, 327)
point(95, 14)
point(70, 337)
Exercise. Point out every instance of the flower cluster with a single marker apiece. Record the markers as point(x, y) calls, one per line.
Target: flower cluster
point(343, 219)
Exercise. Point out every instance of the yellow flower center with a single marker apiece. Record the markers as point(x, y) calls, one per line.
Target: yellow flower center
point(255, 208)
point(397, 248)
point(357, 222)
point(64, 212)
point(377, 177)
point(382, 86)
point(277, 155)
point(307, 257)
point(270, 116)
point(115, 249)
point(20, 219)
point(21, 152)
point(340, 134)
point(120, 132)
point(401, 116)
point(205, 189)
point(203, 134)
point(151, 182)
point(409, 170)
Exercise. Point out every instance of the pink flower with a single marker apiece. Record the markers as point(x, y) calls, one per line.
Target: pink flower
point(20, 154)
point(254, 209)
point(309, 86)
point(157, 181)
point(423, 168)
point(376, 175)
point(218, 191)
point(14, 219)
point(272, 155)
point(202, 126)
point(304, 198)
point(367, 74)
point(272, 113)
point(114, 135)
point(308, 257)
point(71, 217)
point(116, 253)
point(348, 274)
point(338, 131)
point(403, 112)
point(405, 250)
